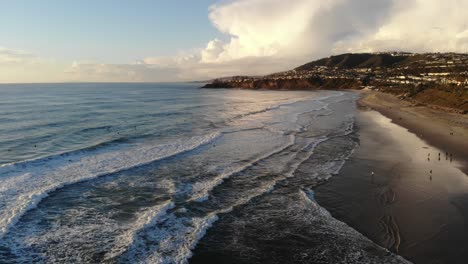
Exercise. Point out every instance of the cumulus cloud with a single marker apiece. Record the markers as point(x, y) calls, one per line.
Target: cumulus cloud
point(259, 28)
point(265, 36)
point(316, 28)
point(418, 26)
point(273, 35)
point(212, 51)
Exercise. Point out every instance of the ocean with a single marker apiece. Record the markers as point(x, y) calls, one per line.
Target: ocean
point(169, 173)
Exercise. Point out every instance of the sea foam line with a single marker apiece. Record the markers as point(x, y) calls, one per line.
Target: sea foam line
point(202, 189)
point(170, 240)
point(181, 246)
point(178, 236)
point(290, 102)
point(23, 186)
point(188, 253)
point(144, 220)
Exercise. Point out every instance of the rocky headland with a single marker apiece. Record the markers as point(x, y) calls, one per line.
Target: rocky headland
point(436, 80)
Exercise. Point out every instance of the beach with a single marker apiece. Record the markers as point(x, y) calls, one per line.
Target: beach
point(220, 176)
point(441, 128)
point(405, 186)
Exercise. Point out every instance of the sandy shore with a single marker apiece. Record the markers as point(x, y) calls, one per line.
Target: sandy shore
point(444, 130)
point(396, 190)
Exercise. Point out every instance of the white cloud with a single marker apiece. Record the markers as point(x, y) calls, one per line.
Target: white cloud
point(212, 51)
point(418, 26)
point(462, 35)
point(264, 36)
point(136, 72)
point(315, 28)
point(22, 66)
point(279, 32)
point(10, 57)
point(259, 28)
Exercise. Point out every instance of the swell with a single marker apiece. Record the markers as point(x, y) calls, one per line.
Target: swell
point(191, 235)
point(92, 129)
point(181, 240)
point(201, 190)
point(65, 154)
point(170, 240)
point(32, 126)
point(24, 185)
point(306, 152)
point(278, 106)
point(200, 224)
point(299, 158)
point(143, 221)
point(106, 145)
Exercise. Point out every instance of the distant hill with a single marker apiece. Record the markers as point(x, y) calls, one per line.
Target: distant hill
point(358, 60)
point(439, 80)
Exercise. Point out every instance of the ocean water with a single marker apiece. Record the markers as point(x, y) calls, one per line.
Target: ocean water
point(169, 173)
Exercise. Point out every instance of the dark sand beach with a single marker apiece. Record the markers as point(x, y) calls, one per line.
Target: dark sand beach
point(397, 190)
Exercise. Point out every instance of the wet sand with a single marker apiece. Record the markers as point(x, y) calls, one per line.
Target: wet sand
point(396, 190)
point(444, 130)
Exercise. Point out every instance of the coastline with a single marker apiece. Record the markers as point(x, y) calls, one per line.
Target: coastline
point(391, 191)
point(445, 130)
point(285, 224)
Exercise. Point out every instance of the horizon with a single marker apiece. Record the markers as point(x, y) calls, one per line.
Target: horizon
point(162, 42)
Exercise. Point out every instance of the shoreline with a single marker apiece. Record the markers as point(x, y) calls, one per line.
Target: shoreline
point(445, 130)
point(395, 190)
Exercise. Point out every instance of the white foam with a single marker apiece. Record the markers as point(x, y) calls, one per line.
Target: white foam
point(174, 238)
point(24, 185)
point(340, 228)
point(201, 189)
point(171, 241)
point(291, 102)
point(292, 170)
point(308, 196)
point(312, 145)
point(181, 248)
point(144, 220)
point(177, 237)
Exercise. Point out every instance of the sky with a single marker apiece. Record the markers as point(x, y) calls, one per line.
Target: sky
point(185, 40)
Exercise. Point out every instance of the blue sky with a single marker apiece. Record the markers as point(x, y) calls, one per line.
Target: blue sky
point(180, 40)
point(113, 31)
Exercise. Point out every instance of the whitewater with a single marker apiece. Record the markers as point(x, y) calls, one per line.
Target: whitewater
point(158, 173)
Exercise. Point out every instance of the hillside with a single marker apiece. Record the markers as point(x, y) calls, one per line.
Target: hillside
point(433, 79)
point(357, 60)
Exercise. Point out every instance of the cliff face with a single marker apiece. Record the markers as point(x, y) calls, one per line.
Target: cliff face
point(292, 84)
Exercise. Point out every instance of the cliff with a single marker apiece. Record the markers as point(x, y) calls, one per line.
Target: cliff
point(433, 79)
point(288, 84)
